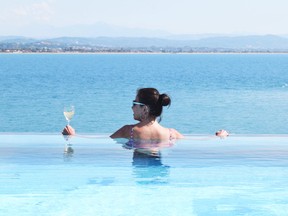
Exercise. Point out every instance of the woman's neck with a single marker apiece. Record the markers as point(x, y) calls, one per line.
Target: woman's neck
point(148, 122)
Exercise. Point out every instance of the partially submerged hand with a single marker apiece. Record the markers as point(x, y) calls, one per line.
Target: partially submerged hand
point(222, 133)
point(68, 130)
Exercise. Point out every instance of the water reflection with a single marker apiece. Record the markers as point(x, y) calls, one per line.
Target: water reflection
point(147, 161)
point(149, 169)
point(68, 150)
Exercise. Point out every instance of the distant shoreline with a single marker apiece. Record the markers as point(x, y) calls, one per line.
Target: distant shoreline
point(139, 53)
point(249, 44)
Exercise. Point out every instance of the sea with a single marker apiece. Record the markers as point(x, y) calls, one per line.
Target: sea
point(242, 93)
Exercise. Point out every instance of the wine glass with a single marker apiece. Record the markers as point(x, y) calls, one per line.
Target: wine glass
point(69, 113)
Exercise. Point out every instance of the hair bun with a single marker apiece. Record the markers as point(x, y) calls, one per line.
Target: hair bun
point(164, 100)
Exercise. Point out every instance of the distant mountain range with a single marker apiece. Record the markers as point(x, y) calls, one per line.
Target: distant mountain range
point(252, 42)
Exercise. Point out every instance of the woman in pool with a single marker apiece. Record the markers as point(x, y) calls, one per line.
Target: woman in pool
point(147, 109)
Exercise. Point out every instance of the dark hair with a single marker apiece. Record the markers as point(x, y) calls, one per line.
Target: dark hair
point(154, 100)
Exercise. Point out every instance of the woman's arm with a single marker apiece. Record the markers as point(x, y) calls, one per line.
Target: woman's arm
point(220, 133)
point(123, 132)
point(176, 134)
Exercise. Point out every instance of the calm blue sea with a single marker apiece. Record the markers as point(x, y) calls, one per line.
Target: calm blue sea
point(243, 93)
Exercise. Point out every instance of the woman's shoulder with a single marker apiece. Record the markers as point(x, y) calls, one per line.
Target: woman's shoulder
point(175, 134)
point(123, 132)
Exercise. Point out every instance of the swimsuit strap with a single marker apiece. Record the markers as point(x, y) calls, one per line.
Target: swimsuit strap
point(132, 133)
point(131, 139)
point(130, 143)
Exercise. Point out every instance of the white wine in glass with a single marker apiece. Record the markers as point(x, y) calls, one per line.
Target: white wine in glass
point(69, 112)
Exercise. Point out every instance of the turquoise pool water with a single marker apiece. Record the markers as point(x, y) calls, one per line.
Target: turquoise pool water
point(241, 175)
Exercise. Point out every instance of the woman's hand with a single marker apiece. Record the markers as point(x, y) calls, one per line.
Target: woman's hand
point(222, 134)
point(68, 130)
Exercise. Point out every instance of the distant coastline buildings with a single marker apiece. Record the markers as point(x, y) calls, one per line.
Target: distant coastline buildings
point(131, 50)
point(253, 44)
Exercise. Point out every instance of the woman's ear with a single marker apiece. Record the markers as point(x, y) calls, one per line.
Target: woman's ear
point(146, 109)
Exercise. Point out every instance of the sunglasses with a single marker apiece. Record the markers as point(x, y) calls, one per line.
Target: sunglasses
point(137, 103)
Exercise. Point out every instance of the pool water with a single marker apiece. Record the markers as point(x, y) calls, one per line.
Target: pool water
point(45, 174)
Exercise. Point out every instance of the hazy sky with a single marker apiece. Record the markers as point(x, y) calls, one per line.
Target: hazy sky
point(174, 16)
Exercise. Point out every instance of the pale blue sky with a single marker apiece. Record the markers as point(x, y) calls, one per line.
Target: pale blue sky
point(177, 17)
